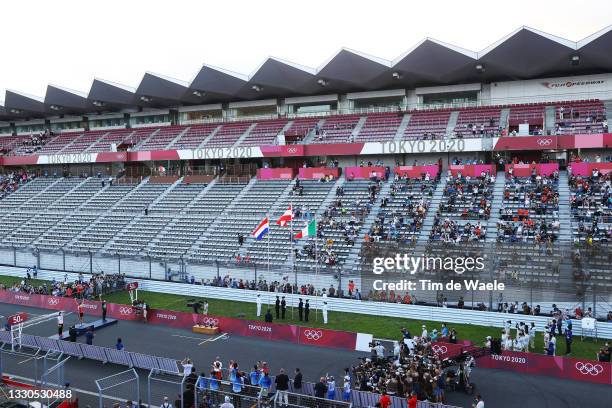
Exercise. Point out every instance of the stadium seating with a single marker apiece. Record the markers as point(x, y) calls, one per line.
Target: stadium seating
point(381, 127)
point(427, 124)
point(264, 133)
point(337, 129)
point(228, 134)
point(580, 117)
point(531, 114)
point(478, 122)
point(162, 138)
point(194, 136)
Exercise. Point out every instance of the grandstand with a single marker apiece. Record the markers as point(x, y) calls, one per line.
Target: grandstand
point(504, 165)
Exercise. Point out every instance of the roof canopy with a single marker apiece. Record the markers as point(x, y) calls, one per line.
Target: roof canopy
point(525, 53)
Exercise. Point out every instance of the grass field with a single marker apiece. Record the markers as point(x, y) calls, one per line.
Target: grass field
point(380, 327)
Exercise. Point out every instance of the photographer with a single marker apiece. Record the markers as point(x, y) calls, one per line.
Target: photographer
point(478, 402)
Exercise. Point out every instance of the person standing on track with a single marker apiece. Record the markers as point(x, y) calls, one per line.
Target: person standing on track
point(300, 309)
point(277, 307)
point(306, 310)
point(282, 387)
point(104, 307)
point(283, 308)
point(80, 310)
point(324, 311)
point(258, 301)
point(145, 311)
point(60, 324)
point(89, 335)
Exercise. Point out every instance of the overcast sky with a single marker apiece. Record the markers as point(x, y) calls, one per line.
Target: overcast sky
point(68, 43)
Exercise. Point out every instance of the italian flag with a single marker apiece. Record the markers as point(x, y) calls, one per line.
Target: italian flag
point(309, 231)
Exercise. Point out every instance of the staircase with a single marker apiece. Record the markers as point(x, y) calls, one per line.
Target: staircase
point(231, 206)
point(550, 117)
point(357, 129)
point(69, 144)
point(207, 138)
point(244, 135)
point(311, 135)
point(399, 135)
point(452, 123)
point(565, 228)
point(504, 118)
point(146, 139)
point(166, 191)
point(98, 140)
point(177, 138)
point(434, 206)
point(352, 260)
point(200, 195)
point(496, 205)
point(608, 107)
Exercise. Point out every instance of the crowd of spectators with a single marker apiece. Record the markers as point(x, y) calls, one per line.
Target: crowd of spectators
point(91, 288)
point(411, 369)
point(530, 210)
point(12, 181)
point(591, 207)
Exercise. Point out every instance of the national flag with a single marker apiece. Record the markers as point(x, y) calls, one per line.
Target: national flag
point(262, 229)
point(286, 217)
point(309, 231)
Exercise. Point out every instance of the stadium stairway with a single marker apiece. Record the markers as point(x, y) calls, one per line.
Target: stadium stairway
point(309, 138)
point(146, 139)
point(434, 206)
point(244, 135)
point(549, 119)
point(67, 145)
point(95, 142)
point(503, 118)
point(565, 228)
point(402, 128)
point(101, 191)
point(331, 196)
point(177, 138)
point(231, 206)
point(200, 194)
point(354, 254)
point(41, 193)
point(452, 122)
point(358, 127)
point(209, 137)
point(608, 107)
point(496, 205)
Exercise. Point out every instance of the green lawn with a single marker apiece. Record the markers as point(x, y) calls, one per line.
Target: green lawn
point(380, 327)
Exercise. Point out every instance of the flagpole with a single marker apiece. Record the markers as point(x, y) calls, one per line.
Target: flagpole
point(292, 254)
point(268, 234)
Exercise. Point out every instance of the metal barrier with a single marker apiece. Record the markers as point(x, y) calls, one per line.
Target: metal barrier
point(124, 379)
point(176, 379)
point(56, 370)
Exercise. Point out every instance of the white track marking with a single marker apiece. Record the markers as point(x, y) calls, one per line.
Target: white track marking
point(219, 337)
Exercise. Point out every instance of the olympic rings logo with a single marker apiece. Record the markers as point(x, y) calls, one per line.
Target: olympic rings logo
point(53, 301)
point(292, 150)
point(126, 310)
point(544, 142)
point(210, 321)
point(439, 349)
point(313, 334)
point(589, 368)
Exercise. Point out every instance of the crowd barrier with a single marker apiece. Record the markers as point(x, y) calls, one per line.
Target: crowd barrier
point(472, 170)
point(417, 171)
point(97, 353)
point(560, 367)
point(586, 169)
point(182, 320)
point(524, 170)
point(317, 173)
point(281, 173)
point(363, 172)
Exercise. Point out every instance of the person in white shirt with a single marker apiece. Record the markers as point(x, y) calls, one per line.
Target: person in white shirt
point(258, 300)
point(324, 311)
point(60, 324)
point(424, 333)
point(187, 366)
point(478, 403)
point(166, 404)
point(532, 335)
point(228, 404)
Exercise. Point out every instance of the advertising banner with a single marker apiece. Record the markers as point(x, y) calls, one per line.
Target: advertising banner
point(524, 170)
point(417, 171)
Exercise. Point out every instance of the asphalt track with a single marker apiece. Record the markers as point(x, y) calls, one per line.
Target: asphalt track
point(500, 389)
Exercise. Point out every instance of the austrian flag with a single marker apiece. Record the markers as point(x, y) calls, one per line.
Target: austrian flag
point(286, 217)
point(309, 231)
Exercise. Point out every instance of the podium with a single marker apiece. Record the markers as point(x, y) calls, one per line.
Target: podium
point(205, 329)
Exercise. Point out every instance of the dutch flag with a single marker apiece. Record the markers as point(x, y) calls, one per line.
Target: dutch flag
point(262, 229)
